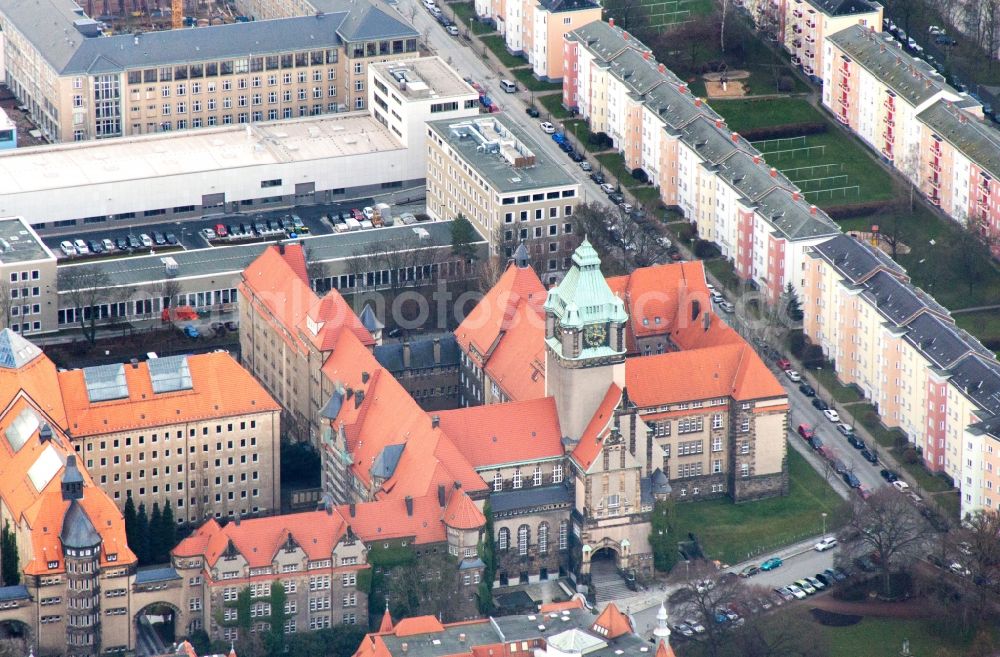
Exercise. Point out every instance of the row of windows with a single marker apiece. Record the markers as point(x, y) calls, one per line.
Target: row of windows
point(524, 536)
point(232, 66)
point(517, 480)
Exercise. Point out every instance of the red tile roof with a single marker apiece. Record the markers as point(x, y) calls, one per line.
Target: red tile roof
point(664, 650)
point(418, 625)
point(220, 388)
point(504, 433)
point(727, 370)
point(593, 436)
point(386, 624)
point(462, 512)
point(548, 608)
point(386, 519)
point(612, 623)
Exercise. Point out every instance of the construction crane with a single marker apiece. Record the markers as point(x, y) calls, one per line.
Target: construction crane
point(177, 14)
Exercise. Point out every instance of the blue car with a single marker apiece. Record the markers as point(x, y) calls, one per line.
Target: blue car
point(191, 331)
point(771, 564)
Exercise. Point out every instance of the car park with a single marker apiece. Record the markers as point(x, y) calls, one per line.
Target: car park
point(547, 128)
point(832, 415)
point(793, 376)
point(819, 404)
point(807, 390)
point(826, 543)
point(67, 248)
point(771, 564)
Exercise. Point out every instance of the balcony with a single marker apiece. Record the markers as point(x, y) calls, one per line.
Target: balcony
point(810, 39)
point(935, 199)
point(844, 102)
point(889, 137)
point(842, 117)
point(796, 13)
point(934, 181)
point(982, 203)
point(795, 60)
point(797, 43)
point(935, 167)
point(845, 86)
point(888, 104)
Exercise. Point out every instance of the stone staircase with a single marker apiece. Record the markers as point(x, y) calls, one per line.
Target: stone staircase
point(608, 584)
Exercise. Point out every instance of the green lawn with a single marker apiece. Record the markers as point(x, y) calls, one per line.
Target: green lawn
point(734, 532)
point(581, 131)
point(749, 114)
point(553, 105)
point(647, 195)
point(529, 82)
point(841, 393)
point(660, 13)
point(465, 15)
point(723, 271)
point(883, 637)
point(985, 324)
point(614, 164)
point(496, 43)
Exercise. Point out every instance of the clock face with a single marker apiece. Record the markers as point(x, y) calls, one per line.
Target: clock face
point(595, 335)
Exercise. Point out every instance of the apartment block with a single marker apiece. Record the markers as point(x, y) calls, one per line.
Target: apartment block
point(903, 351)
point(491, 171)
point(79, 84)
point(27, 279)
point(805, 24)
point(760, 220)
point(197, 432)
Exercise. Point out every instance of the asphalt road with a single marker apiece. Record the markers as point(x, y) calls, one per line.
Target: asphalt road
point(462, 55)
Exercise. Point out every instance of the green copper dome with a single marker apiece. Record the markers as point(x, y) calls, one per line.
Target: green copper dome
point(583, 297)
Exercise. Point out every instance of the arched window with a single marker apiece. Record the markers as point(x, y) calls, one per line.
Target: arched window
point(543, 538)
point(563, 534)
point(503, 539)
point(522, 540)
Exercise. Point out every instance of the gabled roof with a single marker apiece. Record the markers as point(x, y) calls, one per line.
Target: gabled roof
point(589, 447)
point(896, 300)
point(970, 135)
point(843, 7)
point(612, 623)
point(220, 388)
point(604, 40)
point(388, 519)
point(855, 259)
point(418, 625)
point(568, 5)
point(258, 539)
point(386, 624)
point(495, 434)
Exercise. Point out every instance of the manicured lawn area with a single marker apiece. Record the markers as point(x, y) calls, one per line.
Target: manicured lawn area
point(841, 393)
point(579, 129)
point(465, 15)
point(985, 324)
point(553, 105)
point(660, 13)
point(614, 164)
point(734, 532)
point(529, 82)
point(748, 114)
point(648, 196)
point(496, 43)
point(883, 637)
point(723, 270)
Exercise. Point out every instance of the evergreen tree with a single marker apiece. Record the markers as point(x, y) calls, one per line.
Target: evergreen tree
point(792, 305)
point(661, 537)
point(131, 522)
point(463, 237)
point(141, 547)
point(169, 534)
point(156, 534)
point(10, 571)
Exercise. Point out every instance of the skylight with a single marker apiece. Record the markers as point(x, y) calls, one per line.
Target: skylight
point(22, 428)
point(45, 468)
point(170, 374)
point(105, 382)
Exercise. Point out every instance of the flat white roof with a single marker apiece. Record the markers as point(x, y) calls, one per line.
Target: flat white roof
point(423, 78)
point(201, 150)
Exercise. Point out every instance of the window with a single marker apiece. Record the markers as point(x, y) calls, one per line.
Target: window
point(497, 482)
point(717, 421)
point(745, 470)
point(536, 476)
point(557, 473)
point(717, 444)
point(522, 540)
point(614, 501)
point(563, 534)
point(543, 538)
point(503, 539)
point(517, 478)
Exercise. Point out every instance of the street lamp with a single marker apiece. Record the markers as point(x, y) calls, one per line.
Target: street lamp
point(824, 524)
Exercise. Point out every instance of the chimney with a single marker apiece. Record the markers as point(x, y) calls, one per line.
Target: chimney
point(706, 320)
point(457, 484)
point(927, 83)
point(795, 196)
point(404, 646)
point(437, 351)
point(435, 421)
point(134, 362)
point(409, 505)
point(45, 433)
point(662, 68)
point(881, 47)
point(774, 172)
point(237, 521)
point(961, 118)
point(812, 209)
point(756, 159)
point(281, 247)
point(697, 102)
point(406, 355)
point(735, 137)
point(718, 123)
point(625, 35)
point(441, 500)
point(364, 377)
point(645, 55)
point(682, 89)
point(461, 637)
point(611, 22)
point(352, 508)
point(329, 510)
point(359, 398)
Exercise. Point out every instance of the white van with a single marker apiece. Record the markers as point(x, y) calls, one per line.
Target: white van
point(508, 85)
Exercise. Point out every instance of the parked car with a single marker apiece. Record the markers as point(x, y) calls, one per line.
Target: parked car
point(208, 233)
point(816, 442)
point(576, 156)
point(716, 296)
point(805, 585)
point(901, 485)
point(867, 455)
point(855, 442)
point(146, 240)
point(889, 475)
point(684, 630)
point(727, 307)
point(108, 244)
point(585, 165)
point(807, 390)
point(616, 198)
point(221, 230)
point(805, 431)
point(851, 480)
point(784, 364)
point(793, 376)
point(832, 415)
point(532, 111)
point(863, 493)
point(826, 579)
point(597, 177)
point(191, 331)
point(819, 404)
point(133, 242)
point(845, 429)
point(231, 325)
point(67, 248)
point(95, 246)
point(750, 571)
point(815, 583)
point(81, 247)
point(825, 543)
point(121, 243)
point(695, 625)
point(547, 127)
point(796, 591)
point(607, 188)
point(785, 594)
point(771, 564)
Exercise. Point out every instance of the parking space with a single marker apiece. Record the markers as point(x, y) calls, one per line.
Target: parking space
point(113, 239)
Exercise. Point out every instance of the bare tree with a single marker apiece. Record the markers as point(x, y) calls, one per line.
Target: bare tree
point(85, 288)
point(492, 267)
point(705, 592)
point(771, 635)
point(888, 527)
point(978, 552)
point(398, 257)
point(6, 302)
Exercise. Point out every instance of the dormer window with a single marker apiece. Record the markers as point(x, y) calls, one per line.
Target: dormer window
point(53, 565)
point(113, 557)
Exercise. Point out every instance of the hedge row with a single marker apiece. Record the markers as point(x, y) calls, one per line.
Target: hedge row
point(784, 131)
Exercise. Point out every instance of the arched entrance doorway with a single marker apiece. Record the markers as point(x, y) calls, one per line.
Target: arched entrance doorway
point(155, 628)
point(15, 637)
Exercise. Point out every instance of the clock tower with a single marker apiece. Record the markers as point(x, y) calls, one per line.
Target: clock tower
point(584, 341)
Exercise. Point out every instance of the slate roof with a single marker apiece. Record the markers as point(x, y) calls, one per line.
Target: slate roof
point(973, 137)
point(940, 341)
point(605, 40)
point(509, 501)
point(894, 299)
point(843, 7)
point(794, 219)
point(854, 259)
point(16, 592)
point(555, 6)
point(50, 26)
point(77, 530)
point(390, 356)
point(385, 463)
point(979, 379)
point(149, 575)
point(912, 79)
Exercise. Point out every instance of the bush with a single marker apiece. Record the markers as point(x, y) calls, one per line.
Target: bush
point(640, 175)
point(600, 140)
point(901, 441)
point(857, 209)
point(797, 343)
point(910, 456)
point(812, 357)
point(786, 84)
point(705, 249)
point(783, 131)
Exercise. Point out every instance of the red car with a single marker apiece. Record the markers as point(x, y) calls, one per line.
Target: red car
point(784, 364)
point(220, 230)
point(806, 431)
point(358, 214)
